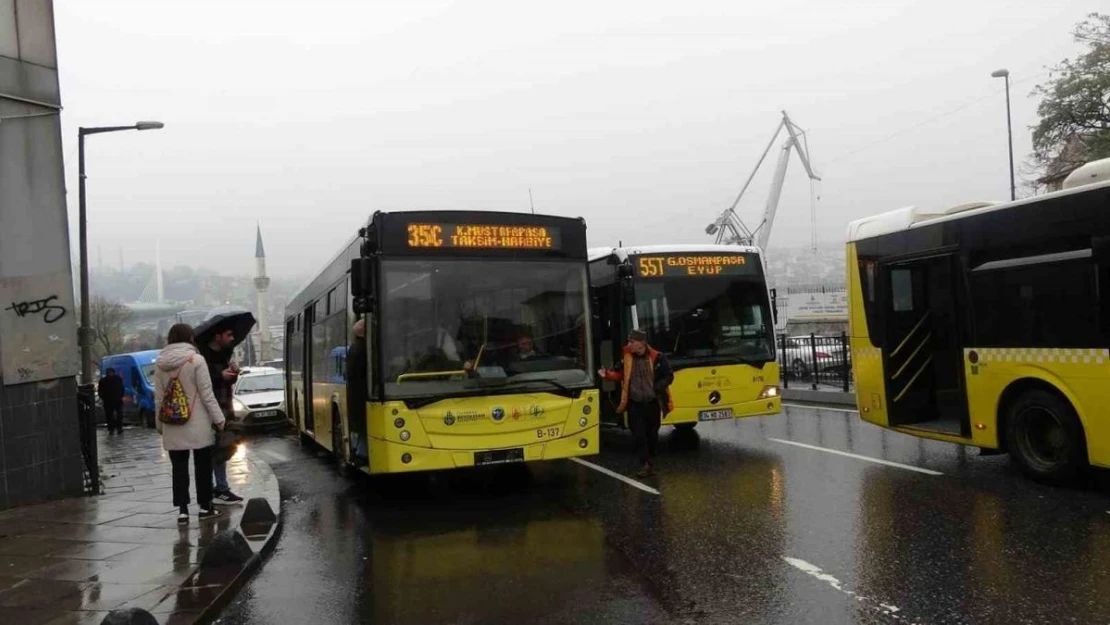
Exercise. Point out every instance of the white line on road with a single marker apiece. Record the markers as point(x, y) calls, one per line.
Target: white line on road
point(626, 480)
point(823, 408)
point(274, 455)
point(858, 457)
point(874, 604)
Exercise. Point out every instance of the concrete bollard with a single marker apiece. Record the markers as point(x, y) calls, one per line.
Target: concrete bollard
point(227, 548)
point(258, 517)
point(130, 616)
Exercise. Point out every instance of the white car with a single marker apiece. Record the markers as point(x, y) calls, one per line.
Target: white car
point(798, 355)
point(259, 398)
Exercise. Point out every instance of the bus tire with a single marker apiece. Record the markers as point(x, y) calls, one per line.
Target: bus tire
point(1044, 436)
point(686, 427)
point(305, 439)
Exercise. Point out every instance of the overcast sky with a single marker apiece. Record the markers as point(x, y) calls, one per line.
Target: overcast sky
point(643, 117)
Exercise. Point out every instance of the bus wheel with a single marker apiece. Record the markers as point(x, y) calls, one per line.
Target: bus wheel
point(799, 368)
point(306, 440)
point(1044, 436)
point(685, 426)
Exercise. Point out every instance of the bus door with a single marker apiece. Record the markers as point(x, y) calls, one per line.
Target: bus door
point(309, 423)
point(922, 364)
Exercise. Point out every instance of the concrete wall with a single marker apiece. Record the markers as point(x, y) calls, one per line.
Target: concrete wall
point(40, 455)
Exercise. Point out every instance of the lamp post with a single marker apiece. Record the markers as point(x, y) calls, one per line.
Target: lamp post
point(1005, 73)
point(84, 337)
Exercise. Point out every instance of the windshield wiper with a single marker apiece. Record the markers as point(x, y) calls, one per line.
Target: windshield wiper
point(564, 389)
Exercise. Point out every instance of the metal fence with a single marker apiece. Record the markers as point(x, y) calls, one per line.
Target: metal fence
point(86, 416)
point(816, 361)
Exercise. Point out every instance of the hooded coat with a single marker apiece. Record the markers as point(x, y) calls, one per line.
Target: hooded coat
point(181, 360)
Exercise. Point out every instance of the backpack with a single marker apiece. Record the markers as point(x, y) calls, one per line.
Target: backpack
point(175, 408)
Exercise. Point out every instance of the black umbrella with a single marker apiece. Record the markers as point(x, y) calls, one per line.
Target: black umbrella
point(239, 322)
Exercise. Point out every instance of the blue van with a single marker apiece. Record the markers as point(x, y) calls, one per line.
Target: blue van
point(137, 371)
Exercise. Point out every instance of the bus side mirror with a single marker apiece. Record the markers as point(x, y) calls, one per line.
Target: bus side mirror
point(628, 290)
point(362, 271)
point(774, 307)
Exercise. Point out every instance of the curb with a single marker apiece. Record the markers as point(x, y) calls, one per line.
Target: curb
point(820, 397)
point(212, 612)
point(252, 565)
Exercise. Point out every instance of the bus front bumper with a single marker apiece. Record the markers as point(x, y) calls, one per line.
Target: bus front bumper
point(694, 414)
point(393, 457)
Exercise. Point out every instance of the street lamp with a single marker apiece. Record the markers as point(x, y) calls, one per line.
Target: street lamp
point(1005, 73)
point(85, 335)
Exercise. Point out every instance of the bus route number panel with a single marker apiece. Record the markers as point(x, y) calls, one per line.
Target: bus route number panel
point(696, 265)
point(483, 236)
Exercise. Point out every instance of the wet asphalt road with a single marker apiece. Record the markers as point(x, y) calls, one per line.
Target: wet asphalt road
point(746, 528)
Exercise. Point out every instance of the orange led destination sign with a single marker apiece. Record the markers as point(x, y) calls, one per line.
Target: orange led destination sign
point(694, 265)
point(483, 236)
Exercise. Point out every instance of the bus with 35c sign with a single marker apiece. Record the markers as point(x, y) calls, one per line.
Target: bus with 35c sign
point(707, 307)
point(475, 344)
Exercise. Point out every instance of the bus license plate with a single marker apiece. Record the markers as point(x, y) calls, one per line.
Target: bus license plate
point(498, 456)
point(266, 413)
point(713, 415)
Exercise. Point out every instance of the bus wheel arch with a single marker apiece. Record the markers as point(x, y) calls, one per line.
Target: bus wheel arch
point(1040, 427)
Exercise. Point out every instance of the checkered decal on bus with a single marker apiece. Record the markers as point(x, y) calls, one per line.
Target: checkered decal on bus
point(1042, 355)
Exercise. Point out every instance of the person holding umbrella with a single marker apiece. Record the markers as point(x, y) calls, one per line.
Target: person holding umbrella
point(217, 337)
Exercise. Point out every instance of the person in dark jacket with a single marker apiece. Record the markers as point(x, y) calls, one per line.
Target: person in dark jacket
point(217, 353)
point(646, 376)
point(356, 376)
point(110, 390)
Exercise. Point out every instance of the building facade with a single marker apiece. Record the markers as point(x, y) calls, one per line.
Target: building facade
point(40, 449)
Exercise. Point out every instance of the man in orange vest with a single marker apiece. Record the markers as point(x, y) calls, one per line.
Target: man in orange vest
point(645, 376)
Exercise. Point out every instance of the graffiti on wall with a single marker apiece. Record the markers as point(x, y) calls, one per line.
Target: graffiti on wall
point(38, 330)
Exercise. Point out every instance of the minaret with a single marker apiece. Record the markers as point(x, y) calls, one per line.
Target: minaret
point(261, 283)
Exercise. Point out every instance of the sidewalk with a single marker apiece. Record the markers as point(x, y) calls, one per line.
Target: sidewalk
point(71, 561)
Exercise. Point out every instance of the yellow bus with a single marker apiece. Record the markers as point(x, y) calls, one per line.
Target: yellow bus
point(708, 308)
point(985, 324)
point(475, 343)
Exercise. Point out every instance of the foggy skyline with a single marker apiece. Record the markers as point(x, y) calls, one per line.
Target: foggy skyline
point(644, 118)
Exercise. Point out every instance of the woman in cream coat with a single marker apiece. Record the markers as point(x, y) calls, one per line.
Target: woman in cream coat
point(179, 359)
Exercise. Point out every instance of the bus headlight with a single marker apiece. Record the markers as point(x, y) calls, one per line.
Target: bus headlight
point(583, 443)
point(405, 435)
point(398, 423)
point(768, 392)
point(406, 458)
point(583, 421)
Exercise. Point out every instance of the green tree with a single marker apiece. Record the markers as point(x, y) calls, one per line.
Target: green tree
point(1074, 111)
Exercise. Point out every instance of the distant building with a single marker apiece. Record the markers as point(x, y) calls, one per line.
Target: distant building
point(261, 283)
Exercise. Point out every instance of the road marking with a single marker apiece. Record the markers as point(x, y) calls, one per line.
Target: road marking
point(274, 455)
point(626, 480)
point(858, 457)
point(815, 571)
point(820, 408)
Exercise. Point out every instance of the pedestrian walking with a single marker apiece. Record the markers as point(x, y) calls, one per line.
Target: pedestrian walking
point(110, 390)
point(188, 417)
point(645, 375)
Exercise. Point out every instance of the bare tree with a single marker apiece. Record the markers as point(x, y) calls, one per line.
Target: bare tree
point(107, 319)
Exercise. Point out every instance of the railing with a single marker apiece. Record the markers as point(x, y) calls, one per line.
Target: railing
point(86, 425)
point(820, 362)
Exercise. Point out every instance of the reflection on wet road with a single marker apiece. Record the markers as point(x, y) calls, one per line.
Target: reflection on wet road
point(807, 517)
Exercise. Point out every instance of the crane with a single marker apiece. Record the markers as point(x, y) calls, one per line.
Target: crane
point(731, 230)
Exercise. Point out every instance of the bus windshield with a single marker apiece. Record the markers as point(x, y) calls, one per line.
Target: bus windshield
point(453, 326)
point(697, 318)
